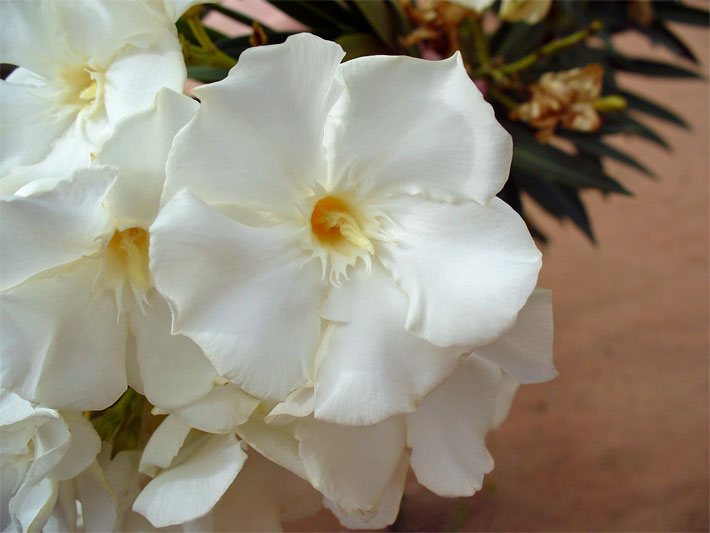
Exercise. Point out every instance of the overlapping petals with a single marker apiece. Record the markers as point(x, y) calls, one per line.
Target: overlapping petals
point(82, 66)
point(412, 223)
point(278, 297)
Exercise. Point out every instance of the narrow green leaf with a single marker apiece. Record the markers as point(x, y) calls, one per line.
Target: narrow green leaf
point(360, 44)
point(552, 164)
point(677, 12)
point(648, 107)
point(647, 67)
point(383, 20)
point(232, 14)
point(311, 15)
point(592, 144)
point(206, 74)
point(560, 201)
point(556, 166)
point(623, 123)
point(519, 39)
point(660, 34)
point(235, 46)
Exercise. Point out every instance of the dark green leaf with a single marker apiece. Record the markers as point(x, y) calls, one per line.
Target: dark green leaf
point(312, 15)
point(232, 14)
point(383, 19)
point(592, 144)
point(677, 12)
point(643, 105)
point(647, 67)
point(552, 164)
point(360, 44)
point(206, 74)
point(6, 69)
point(623, 123)
point(660, 34)
point(235, 46)
point(560, 201)
point(517, 40)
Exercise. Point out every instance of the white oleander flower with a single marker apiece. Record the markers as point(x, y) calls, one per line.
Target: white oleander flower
point(76, 284)
point(358, 196)
point(83, 66)
point(206, 479)
point(40, 449)
point(528, 11)
point(446, 434)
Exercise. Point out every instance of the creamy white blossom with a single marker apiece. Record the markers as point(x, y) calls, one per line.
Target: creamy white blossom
point(341, 229)
point(83, 66)
point(528, 11)
point(76, 280)
point(40, 449)
point(207, 479)
point(446, 434)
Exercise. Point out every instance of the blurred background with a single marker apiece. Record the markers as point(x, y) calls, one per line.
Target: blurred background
point(620, 440)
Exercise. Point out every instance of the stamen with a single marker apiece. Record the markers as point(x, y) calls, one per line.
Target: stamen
point(349, 229)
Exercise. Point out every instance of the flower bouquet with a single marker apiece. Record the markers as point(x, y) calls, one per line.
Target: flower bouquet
point(285, 289)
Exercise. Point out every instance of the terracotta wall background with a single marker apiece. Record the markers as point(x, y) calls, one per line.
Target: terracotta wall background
point(620, 440)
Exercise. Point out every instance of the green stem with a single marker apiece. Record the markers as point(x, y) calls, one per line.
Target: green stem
point(480, 42)
point(503, 98)
point(549, 49)
point(207, 52)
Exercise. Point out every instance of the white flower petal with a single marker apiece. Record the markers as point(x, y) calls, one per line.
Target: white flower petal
point(372, 367)
point(99, 505)
point(467, 269)
point(17, 415)
point(447, 433)
point(29, 122)
point(176, 8)
point(351, 465)
point(220, 411)
point(388, 508)
point(57, 330)
point(83, 447)
point(275, 442)
point(417, 126)
point(139, 148)
point(19, 422)
point(33, 504)
point(525, 351)
point(264, 146)
point(253, 308)
point(476, 5)
point(36, 49)
point(70, 152)
point(51, 442)
point(136, 75)
point(173, 369)
point(262, 496)
point(506, 393)
point(192, 488)
point(164, 445)
point(53, 228)
point(299, 404)
point(133, 375)
point(100, 30)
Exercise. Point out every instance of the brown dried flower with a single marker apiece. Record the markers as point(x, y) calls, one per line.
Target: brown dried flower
point(564, 98)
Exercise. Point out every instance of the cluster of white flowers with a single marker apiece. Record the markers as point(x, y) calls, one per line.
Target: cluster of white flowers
point(222, 314)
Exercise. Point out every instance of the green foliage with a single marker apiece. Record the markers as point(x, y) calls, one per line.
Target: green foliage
point(121, 423)
point(574, 34)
